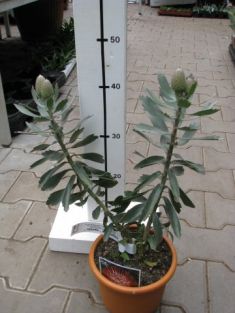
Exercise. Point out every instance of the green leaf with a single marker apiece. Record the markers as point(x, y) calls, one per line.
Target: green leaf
point(125, 256)
point(36, 129)
point(60, 106)
point(76, 134)
point(144, 128)
point(66, 113)
point(83, 176)
point(41, 147)
point(178, 170)
point(53, 181)
point(133, 214)
point(106, 181)
point(43, 179)
point(156, 99)
point(95, 157)
point(184, 103)
point(205, 112)
point(39, 162)
point(190, 131)
point(151, 202)
point(192, 89)
point(174, 184)
point(176, 204)
point(107, 232)
point(172, 215)
point(191, 127)
point(89, 139)
point(165, 141)
point(155, 159)
point(212, 137)
point(55, 197)
point(53, 155)
point(147, 179)
point(185, 199)
point(193, 166)
point(156, 115)
point(24, 110)
point(67, 193)
point(77, 196)
point(155, 238)
point(96, 213)
point(166, 92)
point(150, 263)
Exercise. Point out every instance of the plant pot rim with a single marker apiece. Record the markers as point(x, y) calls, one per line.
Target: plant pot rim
point(133, 290)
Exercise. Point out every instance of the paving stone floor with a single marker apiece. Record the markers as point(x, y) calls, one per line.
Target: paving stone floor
point(36, 280)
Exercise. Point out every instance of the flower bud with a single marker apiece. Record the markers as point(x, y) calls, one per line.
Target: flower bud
point(190, 81)
point(178, 81)
point(38, 84)
point(46, 89)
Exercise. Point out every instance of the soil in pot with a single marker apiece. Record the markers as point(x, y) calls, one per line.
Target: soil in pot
point(154, 265)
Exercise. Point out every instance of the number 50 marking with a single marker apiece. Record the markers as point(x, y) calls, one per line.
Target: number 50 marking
point(115, 39)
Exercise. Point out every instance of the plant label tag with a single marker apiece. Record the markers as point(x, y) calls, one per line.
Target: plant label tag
point(87, 227)
point(119, 274)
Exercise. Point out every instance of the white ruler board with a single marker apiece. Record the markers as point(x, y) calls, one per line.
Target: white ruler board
point(100, 34)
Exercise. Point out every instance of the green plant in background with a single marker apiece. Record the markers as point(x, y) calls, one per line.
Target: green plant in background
point(63, 48)
point(211, 10)
point(55, 54)
point(171, 125)
point(231, 15)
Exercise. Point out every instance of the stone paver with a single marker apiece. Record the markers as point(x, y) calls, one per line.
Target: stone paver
point(195, 216)
point(33, 279)
point(11, 216)
point(211, 239)
point(27, 142)
point(219, 211)
point(221, 182)
point(190, 293)
point(169, 309)
point(26, 159)
point(6, 181)
point(231, 142)
point(26, 188)
point(37, 222)
point(215, 160)
point(221, 288)
point(3, 153)
point(82, 302)
point(18, 259)
point(18, 302)
point(67, 270)
point(210, 126)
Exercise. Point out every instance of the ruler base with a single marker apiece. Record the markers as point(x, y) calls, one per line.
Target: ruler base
point(60, 238)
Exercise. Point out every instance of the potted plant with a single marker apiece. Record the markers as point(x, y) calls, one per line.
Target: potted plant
point(135, 257)
point(175, 11)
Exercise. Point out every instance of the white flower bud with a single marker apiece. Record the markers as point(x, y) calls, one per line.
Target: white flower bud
point(38, 84)
point(178, 81)
point(190, 82)
point(46, 89)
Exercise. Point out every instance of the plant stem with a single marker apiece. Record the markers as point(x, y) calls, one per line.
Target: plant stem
point(58, 136)
point(165, 172)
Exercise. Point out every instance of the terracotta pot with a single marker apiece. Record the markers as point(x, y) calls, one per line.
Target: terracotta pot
point(120, 299)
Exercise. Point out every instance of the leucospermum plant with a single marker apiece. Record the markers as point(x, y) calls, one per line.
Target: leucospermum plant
point(171, 125)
